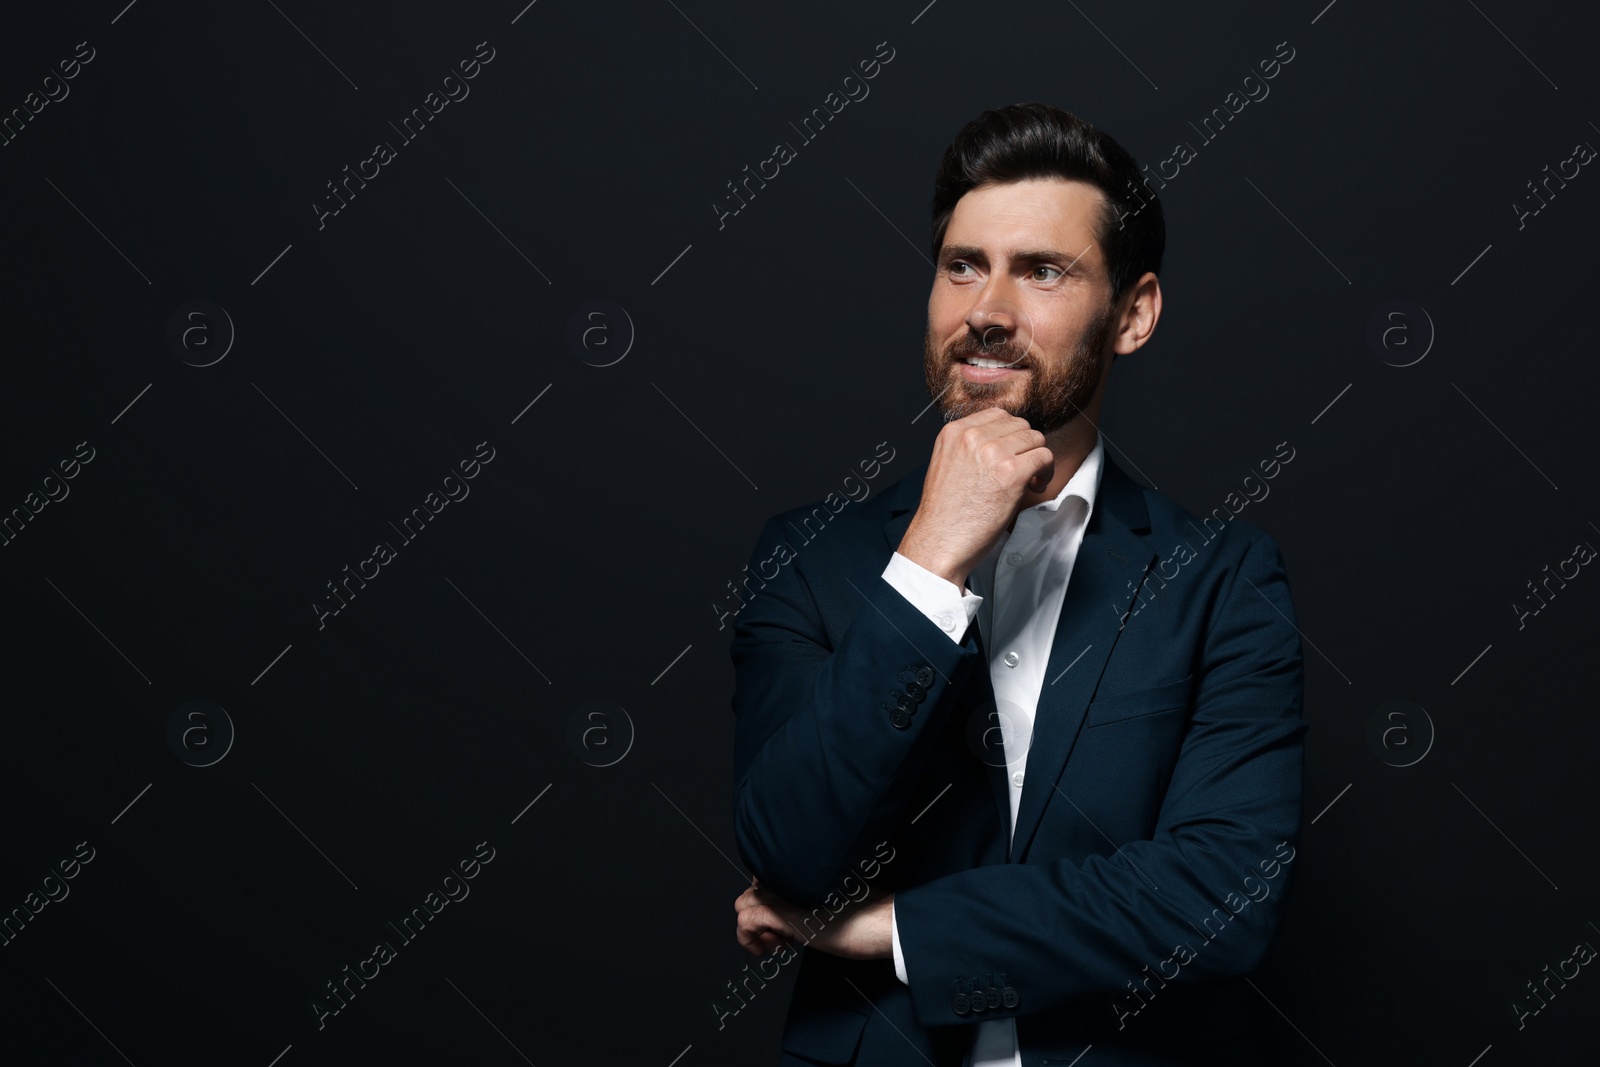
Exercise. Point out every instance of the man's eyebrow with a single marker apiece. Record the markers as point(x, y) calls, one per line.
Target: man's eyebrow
point(1024, 255)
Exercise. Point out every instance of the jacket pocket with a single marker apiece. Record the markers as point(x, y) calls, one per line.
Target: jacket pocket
point(1115, 707)
point(822, 1033)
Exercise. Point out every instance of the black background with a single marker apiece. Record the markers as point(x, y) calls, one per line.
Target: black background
point(769, 355)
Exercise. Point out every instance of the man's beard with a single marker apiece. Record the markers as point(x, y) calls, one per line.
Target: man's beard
point(1051, 396)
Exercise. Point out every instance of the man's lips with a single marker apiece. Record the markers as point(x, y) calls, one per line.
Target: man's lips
point(974, 373)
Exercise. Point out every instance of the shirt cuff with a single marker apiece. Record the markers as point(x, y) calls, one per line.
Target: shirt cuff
point(947, 607)
point(894, 937)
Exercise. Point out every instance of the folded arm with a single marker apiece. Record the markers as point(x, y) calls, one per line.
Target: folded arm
point(1062, 929)
point(823, 772)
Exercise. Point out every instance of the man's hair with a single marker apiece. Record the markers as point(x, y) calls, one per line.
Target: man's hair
point(1023, 141)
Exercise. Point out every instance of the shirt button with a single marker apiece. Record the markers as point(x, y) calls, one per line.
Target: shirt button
point(1017, 778)
point(946, 623)
point(1014, 559)
point(1012, 659)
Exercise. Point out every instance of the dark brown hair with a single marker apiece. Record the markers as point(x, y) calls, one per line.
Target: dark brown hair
point(1023, 141)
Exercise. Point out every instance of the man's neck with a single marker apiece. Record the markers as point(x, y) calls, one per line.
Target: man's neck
point(1071, 445)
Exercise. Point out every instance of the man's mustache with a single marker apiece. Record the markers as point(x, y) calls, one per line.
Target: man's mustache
point(1008, 352)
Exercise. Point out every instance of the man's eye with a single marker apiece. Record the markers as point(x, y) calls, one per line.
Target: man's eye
point(955, 268)
point(1056, 273)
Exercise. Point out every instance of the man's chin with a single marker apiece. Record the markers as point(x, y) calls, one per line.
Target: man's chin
point(975, 396)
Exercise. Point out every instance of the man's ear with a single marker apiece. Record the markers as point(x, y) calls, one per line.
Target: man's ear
point(1140, 317)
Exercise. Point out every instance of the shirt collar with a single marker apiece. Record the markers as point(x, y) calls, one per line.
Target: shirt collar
point(1084, 483)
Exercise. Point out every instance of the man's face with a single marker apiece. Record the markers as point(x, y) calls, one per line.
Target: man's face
point(1020, 281)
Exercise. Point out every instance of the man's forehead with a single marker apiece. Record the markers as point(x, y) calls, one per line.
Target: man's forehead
point(1038, 213)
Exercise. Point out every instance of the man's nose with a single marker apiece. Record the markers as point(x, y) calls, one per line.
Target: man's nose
point(993, 318)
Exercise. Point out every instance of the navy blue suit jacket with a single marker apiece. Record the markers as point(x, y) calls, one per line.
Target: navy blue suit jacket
point(1158, 822)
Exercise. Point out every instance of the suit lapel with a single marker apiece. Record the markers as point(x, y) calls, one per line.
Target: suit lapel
point(1112, 561)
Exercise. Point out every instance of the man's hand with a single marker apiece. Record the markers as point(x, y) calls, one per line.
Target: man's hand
point(980, 468)
point(861, 931)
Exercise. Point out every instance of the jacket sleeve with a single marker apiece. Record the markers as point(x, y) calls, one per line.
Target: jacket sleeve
point(822, 772)
point(1201, 899)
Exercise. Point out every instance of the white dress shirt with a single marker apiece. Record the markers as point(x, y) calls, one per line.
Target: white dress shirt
point(1016, 595)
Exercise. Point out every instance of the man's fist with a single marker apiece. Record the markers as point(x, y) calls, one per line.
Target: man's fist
point(980, 468)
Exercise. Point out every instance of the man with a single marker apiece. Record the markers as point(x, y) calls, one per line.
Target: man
point(1018, 764)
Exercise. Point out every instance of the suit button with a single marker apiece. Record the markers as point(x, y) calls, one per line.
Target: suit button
point(916, 692)
point(923, 676)
point(900, 719)
point(902, 701)
point(959, 1004)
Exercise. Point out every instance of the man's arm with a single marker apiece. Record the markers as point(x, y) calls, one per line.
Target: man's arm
point(823, 760)
point(821, 769)
point(1060, 929)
